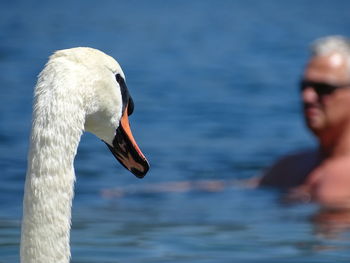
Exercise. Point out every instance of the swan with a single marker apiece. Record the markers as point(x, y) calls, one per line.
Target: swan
point(79, 89)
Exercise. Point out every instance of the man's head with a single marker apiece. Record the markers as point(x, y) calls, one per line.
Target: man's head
point(325, 87)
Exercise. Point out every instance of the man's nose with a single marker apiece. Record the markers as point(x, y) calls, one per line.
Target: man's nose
point(309, 95)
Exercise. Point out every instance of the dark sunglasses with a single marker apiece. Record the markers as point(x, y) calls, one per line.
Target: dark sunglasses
point(320, 88)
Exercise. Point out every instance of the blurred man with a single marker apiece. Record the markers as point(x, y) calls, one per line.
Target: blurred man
point(322, 174)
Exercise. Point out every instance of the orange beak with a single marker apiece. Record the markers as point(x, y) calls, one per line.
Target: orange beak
point(125, 149)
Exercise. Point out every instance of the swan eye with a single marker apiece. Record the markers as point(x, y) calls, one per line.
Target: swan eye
point(127, 100)
point(119, 78)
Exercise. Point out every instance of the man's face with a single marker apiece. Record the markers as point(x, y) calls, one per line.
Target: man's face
point(326, 110)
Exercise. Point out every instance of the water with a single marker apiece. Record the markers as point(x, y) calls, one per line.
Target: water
point(214, 83)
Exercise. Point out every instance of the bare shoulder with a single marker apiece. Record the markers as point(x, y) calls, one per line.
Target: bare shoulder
point(290, 170)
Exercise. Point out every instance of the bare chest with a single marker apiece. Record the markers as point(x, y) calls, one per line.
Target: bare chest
point(330, 185)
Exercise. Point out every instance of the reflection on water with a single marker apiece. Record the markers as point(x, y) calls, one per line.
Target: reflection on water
point(180, 187)
point(332, 224)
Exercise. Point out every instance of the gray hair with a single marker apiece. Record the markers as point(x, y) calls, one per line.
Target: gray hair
point(331, 44)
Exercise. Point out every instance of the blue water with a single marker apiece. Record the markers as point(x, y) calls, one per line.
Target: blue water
point(214, 84)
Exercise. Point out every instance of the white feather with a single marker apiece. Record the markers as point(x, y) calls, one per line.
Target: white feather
point(76, 91)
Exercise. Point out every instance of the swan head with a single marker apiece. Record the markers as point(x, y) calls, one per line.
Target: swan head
point(107, 103)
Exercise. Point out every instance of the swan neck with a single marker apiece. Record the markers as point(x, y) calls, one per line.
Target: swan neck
point(58, 121)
